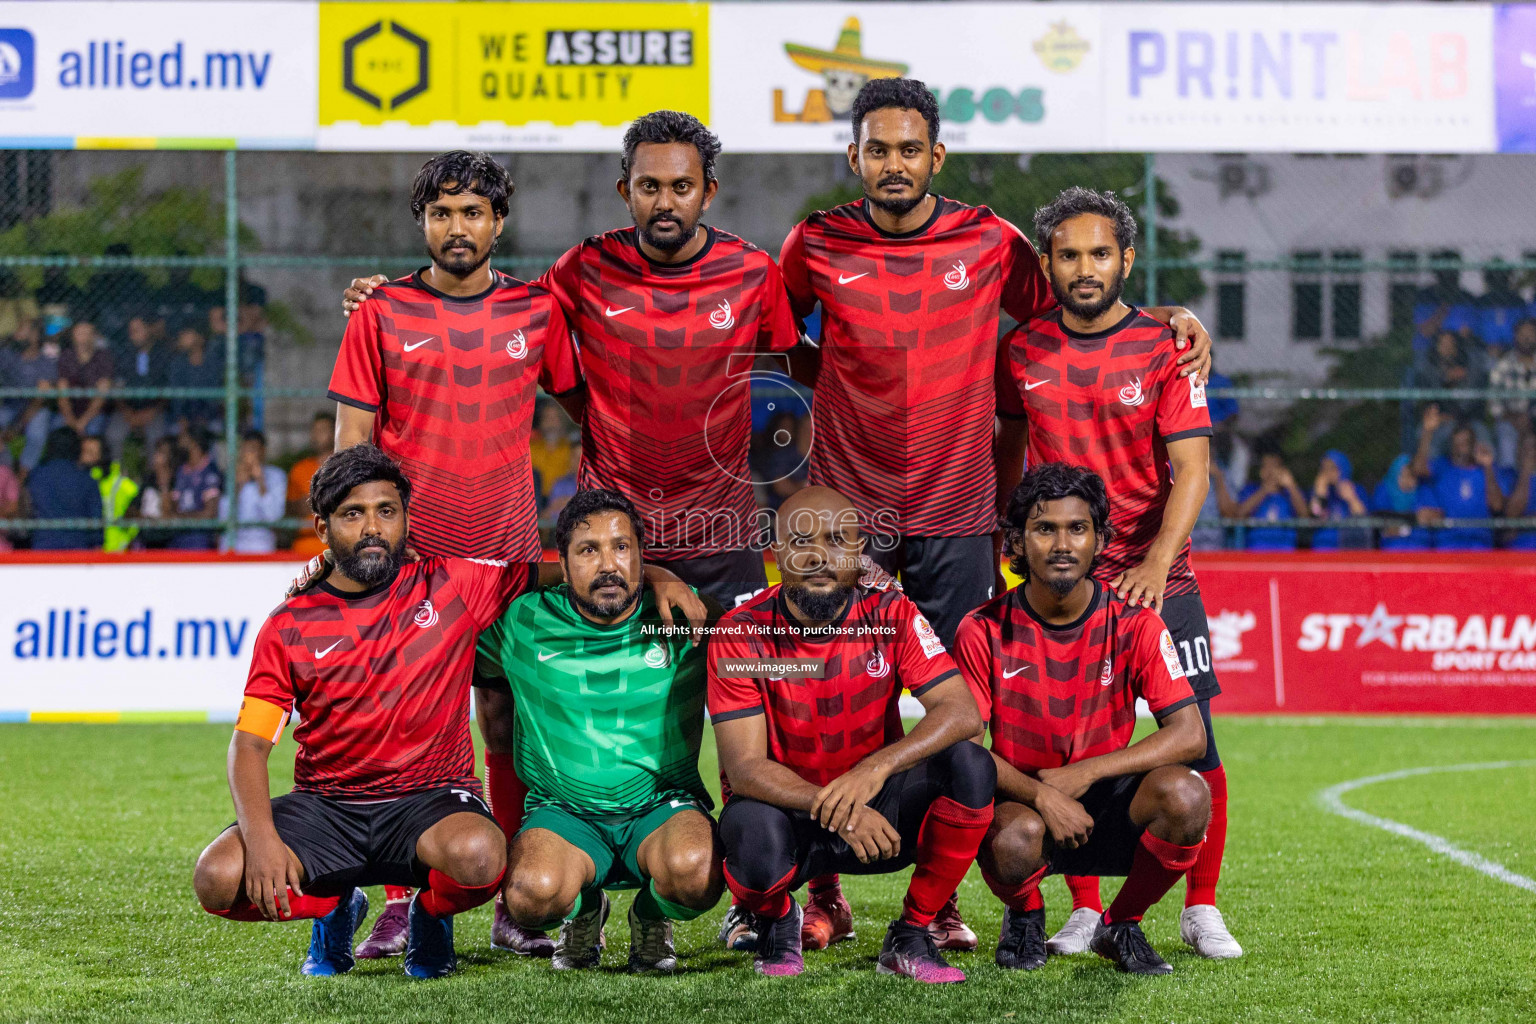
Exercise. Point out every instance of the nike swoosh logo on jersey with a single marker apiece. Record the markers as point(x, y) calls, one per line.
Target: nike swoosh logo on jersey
point(328, 650)
point(546, 657)
point(842, 279)
point(417, 345)
point(1030, 385)
point(1010, 675)
point(616, 312)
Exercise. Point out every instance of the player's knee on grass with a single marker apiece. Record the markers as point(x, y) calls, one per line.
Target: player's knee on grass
point(494, 712)
point(1180, 802)
point(759, 842)
point(971, 774)
point(1015, 845)
point(538, 892)
point(220, 872)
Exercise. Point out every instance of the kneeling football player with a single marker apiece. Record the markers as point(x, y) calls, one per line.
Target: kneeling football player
point(804, 684)
point(610, 711)
point(1056, 665)
point(376, 655)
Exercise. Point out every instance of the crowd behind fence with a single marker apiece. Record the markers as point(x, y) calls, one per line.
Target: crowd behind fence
point(163, 368)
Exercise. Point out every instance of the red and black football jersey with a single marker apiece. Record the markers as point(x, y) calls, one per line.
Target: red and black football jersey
point(823, 727)
point(379, 679)
point(452, 383)
point(667, 352)
point(1053, 695)
point(1109, 402)
point(909, 341)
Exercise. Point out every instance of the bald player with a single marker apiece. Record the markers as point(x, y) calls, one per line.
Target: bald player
point(804, 682)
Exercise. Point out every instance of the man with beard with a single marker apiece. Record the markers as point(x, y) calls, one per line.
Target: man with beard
point(1095, 383)
point(440, 369)
point(1056, 666)
point(909, 285)
point(610, 710)
point(804, 685)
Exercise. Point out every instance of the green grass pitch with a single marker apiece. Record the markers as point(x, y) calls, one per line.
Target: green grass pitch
point(100, 824)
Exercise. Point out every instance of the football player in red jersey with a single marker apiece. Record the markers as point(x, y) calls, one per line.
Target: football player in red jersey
point(804, 684)
point(910, 284)
point(1096, 385)
point(1056, 666)
point(376, 655)
point(440, 369)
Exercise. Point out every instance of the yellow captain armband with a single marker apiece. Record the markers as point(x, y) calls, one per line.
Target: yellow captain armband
point(259, 718)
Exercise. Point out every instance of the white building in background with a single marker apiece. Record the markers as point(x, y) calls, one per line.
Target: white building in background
point(1335, 212)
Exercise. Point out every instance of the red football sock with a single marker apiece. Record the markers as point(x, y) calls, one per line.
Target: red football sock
point(947, 842)
point(1021, 897)
point(771, 902)
point(826, 885)
point(1085, 892)
point(396, 893)
point(1155, 867)
point(504, 791)
point(301, 906)
point(443, 897)
point(1207, 870)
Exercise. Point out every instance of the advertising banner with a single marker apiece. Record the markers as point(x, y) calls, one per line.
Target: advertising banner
point(1008, 77)
point(132, 75)
point(1316, 636)
point(132, 637)
point(1514, 68)
point(1299, 77)
point(534, 76)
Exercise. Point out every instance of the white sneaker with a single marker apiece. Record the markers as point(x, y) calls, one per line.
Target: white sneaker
point(1075, 935)
point(1202, 928)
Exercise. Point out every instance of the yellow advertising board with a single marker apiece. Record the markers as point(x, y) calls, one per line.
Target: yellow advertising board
point(550, 75)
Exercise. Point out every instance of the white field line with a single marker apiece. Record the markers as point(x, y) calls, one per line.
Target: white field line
point(1332, 801)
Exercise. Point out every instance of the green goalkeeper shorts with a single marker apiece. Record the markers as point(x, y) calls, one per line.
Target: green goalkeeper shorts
point(613, 842)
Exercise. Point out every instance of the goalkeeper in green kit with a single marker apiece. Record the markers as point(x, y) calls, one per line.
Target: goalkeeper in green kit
point(610, 709)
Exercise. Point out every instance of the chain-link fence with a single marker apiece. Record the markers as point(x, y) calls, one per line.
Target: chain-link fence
point(164, 301)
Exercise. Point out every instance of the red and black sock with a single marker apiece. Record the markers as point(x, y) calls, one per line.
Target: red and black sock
point(826, 887)
point(1022, 897)
point(1207, 870)
point(1085, 892)
point(772, 902)
point(1155, 867)
point(947, 842)
point(444, 897)
point(397, 894)
point(301, 906)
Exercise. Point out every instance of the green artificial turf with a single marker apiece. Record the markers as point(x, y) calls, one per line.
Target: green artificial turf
point(1342, 922)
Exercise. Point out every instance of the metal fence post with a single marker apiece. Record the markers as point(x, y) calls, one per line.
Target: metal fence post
point(1149, 226)
point(231, 343)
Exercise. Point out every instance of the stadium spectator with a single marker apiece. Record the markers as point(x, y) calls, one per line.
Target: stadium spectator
point(1231, 457)
point(84, 363)
point(142, 364)
point(60, 488)
point(550, 449)
point(1512, 417)
point(780, 457)
point(1335, 495)
point(1452, 362)
point(260, 494)
point(195, 365)
point(1462, 484)
point(1399, 496)
point(118, 492)
point(195, 494)
point(155, 499)
point(322, 442)
point(29, 366)
point(10, 497)
point(1275, 496)
point(1521, 500)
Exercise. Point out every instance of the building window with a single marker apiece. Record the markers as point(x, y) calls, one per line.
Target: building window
point(1344, 295)
point(1306, 296)
point(1402, 288)
point(1231, 295)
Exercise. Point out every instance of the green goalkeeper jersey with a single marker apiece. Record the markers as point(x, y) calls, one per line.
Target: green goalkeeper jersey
point(608, 718)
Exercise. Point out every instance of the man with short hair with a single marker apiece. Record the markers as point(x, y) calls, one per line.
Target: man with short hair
point(259, 495)
point(60, 488)
point(322, 442)
point(118, 492)
point(804, 688)
point(199, 484)
point(1461, 484)
point(1095, 384)
point(1515, 370)
point(1056, 666)
point(610, 710)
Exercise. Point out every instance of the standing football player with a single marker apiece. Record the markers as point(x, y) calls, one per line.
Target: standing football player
point(440, 369)
point(1056, 665)
point(910, 284)
point(1095, 384)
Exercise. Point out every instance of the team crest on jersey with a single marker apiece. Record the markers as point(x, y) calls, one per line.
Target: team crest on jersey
point(657, 656)
point(426, 615)
point(722, 318)
point(517, 348)
point(1107, 675)
point(957, 278)
point(1171, 657)
point(877, 667)
point(932, 645)
point(1131, 394)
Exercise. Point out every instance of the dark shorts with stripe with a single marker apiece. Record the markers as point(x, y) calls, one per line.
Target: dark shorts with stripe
point(346, 843)
point(1112, 843)
point(1185, 618)
point(729, 578)
point(946, 577)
